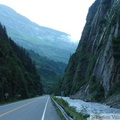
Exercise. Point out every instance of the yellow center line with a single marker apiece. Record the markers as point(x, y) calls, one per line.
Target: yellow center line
point(3, 114)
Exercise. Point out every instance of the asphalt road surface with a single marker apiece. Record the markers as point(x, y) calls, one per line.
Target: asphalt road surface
point(40, 108)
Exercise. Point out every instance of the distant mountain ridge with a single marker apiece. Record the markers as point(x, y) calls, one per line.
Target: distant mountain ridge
point(45, 41)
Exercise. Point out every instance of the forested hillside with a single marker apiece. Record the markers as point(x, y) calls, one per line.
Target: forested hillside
point(18, 75)
point(50, 71)
point(50, 49)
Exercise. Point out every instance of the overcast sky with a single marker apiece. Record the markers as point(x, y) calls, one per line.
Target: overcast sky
point(65, 15)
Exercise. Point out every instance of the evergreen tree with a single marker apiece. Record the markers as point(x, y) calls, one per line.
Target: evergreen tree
point(18, 76)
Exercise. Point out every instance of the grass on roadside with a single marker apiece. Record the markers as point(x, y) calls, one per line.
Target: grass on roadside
point(58, 111)
point(70, 110)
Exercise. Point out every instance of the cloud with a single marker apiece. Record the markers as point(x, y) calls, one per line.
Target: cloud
point(65, 15)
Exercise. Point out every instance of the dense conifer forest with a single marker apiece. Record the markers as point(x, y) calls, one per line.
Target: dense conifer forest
point(18, 76)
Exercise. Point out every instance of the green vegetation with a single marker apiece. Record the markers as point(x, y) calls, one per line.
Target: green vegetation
point(18, 75)
point(70, 110)
point(71, 80)
point(58, 111)
point(116, 54)
point(107, 4)
point(114, 89)
point(116, 49)
point(116, 15)
point(96, 88)
point(54, 45)
point(49, 70)
point(45, 63)
point(92, 60)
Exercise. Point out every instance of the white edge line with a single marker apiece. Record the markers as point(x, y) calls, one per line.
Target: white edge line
point(45, 109)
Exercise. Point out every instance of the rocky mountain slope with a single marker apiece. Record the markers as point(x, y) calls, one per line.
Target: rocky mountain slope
point(45, 41)
point(93, 72)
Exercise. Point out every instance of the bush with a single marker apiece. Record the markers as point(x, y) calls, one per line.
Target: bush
point(97, 89)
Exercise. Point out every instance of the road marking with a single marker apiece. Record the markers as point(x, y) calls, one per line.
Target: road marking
point(3, 114)
point(43, 116)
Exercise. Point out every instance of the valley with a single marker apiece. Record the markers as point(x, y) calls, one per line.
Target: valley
point(49, 49)
point(37, 60)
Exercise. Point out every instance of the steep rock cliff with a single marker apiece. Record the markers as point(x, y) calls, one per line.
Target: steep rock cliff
point(93, 72)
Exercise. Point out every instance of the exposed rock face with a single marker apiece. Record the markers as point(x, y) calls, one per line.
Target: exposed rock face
point(93, 72)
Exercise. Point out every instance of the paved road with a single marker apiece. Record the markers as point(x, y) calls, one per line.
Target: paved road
point(40, 108)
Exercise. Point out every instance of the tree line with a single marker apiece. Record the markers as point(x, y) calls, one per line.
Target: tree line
point(18, 76)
